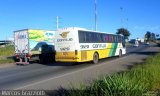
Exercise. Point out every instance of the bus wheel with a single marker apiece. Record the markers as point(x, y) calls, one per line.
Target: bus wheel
point(95, 58)
point(120, 53)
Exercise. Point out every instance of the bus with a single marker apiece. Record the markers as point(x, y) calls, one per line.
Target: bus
point(75, 44)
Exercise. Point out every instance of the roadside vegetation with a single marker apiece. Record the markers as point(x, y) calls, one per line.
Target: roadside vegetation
point(6, 54)
point(143, 79)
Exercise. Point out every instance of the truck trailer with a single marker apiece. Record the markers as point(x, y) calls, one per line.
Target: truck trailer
point(34, 45)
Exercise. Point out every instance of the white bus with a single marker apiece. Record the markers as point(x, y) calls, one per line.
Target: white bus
point(81, 45)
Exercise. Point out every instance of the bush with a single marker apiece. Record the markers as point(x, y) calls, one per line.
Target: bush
point(6, 54)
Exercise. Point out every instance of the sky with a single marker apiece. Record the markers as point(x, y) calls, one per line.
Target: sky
point(138, 16)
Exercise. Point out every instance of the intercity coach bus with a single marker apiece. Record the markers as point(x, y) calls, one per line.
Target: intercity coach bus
point(82, 45)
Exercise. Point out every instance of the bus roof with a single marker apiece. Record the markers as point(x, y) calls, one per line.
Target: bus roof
point(87, 30)
point(72, 28)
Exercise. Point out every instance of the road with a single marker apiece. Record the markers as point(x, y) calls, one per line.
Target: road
point(52, 76)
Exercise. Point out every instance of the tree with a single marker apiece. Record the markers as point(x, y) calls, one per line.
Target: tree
point(148, 36)
point(153, 36)
point(157, 35)
point(124, 32)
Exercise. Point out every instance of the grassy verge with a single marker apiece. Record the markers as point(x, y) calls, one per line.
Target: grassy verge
point(4, 61)
point(6, 54)
point(143, 79)
point(7, 51)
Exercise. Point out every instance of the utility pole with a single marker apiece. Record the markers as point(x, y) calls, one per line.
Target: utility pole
point(57, 22)
point(121, 9)
point(96, 14)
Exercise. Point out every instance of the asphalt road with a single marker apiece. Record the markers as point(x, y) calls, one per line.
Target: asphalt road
point(52, 76)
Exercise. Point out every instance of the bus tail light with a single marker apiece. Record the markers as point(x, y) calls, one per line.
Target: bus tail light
point(76, 52)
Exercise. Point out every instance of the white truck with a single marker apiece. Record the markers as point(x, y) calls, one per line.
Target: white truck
point(31, 44)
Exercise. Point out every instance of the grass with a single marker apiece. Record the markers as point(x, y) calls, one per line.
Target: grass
point(7, 51)
point(143, 79)
point(6, 54)
point(4, 61)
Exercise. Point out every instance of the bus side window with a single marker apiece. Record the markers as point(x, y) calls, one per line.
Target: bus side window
point(99, 38)
point(110, 39)
point(119, 39)
point(90, 38)
point(82, 37)
point(107, 38)
point(93, 37)
point(103, 38)
point(114, 38)
point(87, 37)
point(96, 37)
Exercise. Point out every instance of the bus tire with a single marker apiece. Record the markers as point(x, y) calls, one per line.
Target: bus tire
point(95, 58)
point(120, 53)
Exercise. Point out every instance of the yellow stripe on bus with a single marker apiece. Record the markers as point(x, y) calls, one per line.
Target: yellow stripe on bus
point(83, 56)
point(109, 48)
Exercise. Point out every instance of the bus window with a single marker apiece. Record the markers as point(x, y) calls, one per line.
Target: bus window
point(107, 38)
point(95, 37)
point(113, 39)
point(90, 37)
point(103, 38)
point(110, 38)
point(87, 37)
point(99, 38)
point(82, 37)
point(117, 39)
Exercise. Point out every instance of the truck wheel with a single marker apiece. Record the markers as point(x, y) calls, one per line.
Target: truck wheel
point(120, 53)
point(95, 58)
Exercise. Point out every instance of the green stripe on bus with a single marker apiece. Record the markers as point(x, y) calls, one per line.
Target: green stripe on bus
point(113, 49)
